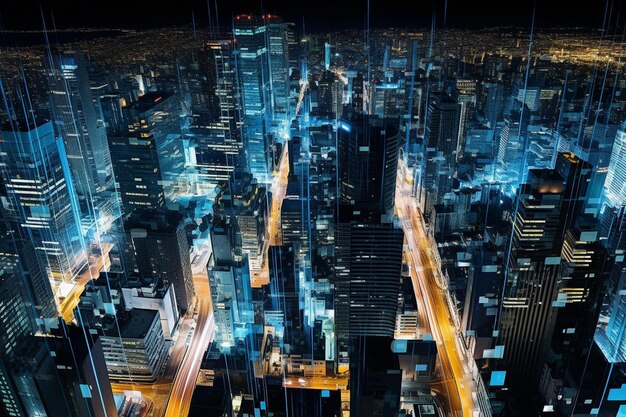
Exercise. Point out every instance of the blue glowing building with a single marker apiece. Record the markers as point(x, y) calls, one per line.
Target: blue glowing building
point(41, 208)
point(253, 70)
point(78, 122)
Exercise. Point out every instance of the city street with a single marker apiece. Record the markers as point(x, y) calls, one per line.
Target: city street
point(456, 388)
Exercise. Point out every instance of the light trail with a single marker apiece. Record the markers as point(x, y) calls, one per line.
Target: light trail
point(273, 233)
point(457, 383)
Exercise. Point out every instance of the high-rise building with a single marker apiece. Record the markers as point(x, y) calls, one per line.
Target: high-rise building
point(512, 140)
point(367, 275)
point(40, 206)
point(155, 117)
point(367, 162)
point(528, 311)
point(158, 250)
point(252, 59)
point(278, 54)
point(216, 129)
point(251, 220)
point(615, 185)
point(442, 124)
point(137, 171)
point(79, 124)
point(139, 352)
point(285, 295)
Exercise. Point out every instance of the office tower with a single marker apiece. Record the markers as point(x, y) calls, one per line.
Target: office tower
point(293, 223)
point(367, 162)
point(16, 325)
point(139, 352)
point(327, 52)
point(512, 140)
point(325, 97)
point(386, 100)
point(61, 374)
point(577, 175)
point(137, 171)
point(158, 250)
point(579, 300)
point(285, 295)
point(230, 283)
point(442, 125)
point(216, 129)
point(467, 102)
point(251, 215)
point(81, 370)
point(615, 185)
point(441, 133)
point(610, 336)
point(492, 102)
point(357, 97)
point(482, 299)
point(40, 208)
point(528, 312)
point(368, 265)
point(16, 314)
point(155, 116)
point(278, 56)
point(78, 122)
point(252, 60)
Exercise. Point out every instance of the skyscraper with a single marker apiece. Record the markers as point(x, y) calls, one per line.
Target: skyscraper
point(615, 185)
point(156, 116)
point(137, 170)
point(41, 209)
point(367, 162)
point(367, 281)
point(216, 128)
point(78, 123)
point(158, 249)
point(528, 311)
point(252, 60)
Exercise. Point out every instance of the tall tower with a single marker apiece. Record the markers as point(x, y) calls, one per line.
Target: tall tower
point(41, 209)
point(528, 313)
point(367, 162)
point(216, 131)
point(78, 122)
point(253, 70)
point(155, 116)
point(615, 185)
point(367, 275)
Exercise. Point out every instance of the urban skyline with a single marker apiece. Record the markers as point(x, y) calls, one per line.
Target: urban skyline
point(326, 209)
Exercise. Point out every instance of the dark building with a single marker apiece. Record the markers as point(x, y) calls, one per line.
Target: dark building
point(376, 378)
point(157, 248)
point(528, 310)
point(367, 162)
point(137, 171)
point(368, 265)
point(285, 294)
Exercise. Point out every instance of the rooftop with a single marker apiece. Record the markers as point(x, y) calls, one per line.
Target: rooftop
point(139, 323)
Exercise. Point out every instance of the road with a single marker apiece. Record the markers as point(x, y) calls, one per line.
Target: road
point(456, 385)
point(273, 235)
point(96, 264)
point(171, 394)
point(317, 382)
point(185, 380)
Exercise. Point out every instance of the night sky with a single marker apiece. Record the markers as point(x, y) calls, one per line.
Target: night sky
point(316, 14)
